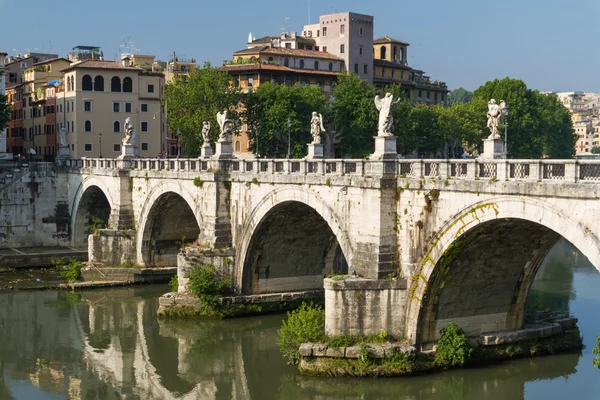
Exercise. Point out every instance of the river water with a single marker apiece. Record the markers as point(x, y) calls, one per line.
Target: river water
point(108, 344)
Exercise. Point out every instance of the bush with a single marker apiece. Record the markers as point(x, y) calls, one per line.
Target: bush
point(453, 348)
point(198, 182)
point(174, 283)
point(207, 285)
point(71, 271)
point(305, 324)
point(596, 352)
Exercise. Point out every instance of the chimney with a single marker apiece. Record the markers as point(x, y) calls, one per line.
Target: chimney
point(126, 61)
point(250, 37)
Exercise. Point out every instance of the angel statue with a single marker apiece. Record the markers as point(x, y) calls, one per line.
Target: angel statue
point(494, 115)
point(316, 127)
point(224, 126)
point(205, 131)
point(62, 137)
point(129, 139)
point(384, 106)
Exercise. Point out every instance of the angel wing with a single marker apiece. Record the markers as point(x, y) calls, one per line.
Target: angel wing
point(321, 122)
point(221, 118)
point(378, 102)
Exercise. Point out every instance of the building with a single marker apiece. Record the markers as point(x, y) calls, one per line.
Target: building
point(585, 136)
point(15, 133)
point(97, 97)
point(16, 66)
point(2, 93)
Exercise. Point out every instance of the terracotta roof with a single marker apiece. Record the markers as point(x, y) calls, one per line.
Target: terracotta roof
point(387, 39)
point(288, 52)
point(275, 68)
point(99, 64)
point(265, 39)
point(50, 60)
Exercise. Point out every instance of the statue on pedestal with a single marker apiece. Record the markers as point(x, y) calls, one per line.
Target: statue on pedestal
point(316, 127)
point(224, 126)
point(62, 137)
point(384, 106)
point(494, 115)
point(205, 131)
point(129, 139)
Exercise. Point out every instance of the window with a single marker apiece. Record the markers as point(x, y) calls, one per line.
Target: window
point(342, 29)
point(360, 31)
point(115, 84)
point(151, 87)
point(237, 146)
point(318, 32)
point(393, 73)
point(331, 66)
point(88, 147)
point(144, 107)
point(401, 74)
point(286, 62)
point(99, 84)
point(128, 107)
point(270, 60)
point(383, 52)
point(250, 81)
point(117, 147)
point(144, 146)
point(88, 126)
point(86, 83)
point(395, 53)
point(316, 65)
point(443, 101)
point(383, 72)
point(366, 69)
point(325, 49)
point(435, 97)
point(360, 50)
point(144, 126)
point(324, 31)
point(301, 64)
point(356, 68)
point(128, 85)
point(73, 147)
point(72, 126)
point(116, 126)
point(87, 105)
point(116, 106)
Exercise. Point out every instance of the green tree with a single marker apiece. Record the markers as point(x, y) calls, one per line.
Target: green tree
point(459, 95)
point(4, 112)
point(557, 127)
point(458, 124)
point(596, 150)
point(267, 111)
point(197, 98)
point(354, 115)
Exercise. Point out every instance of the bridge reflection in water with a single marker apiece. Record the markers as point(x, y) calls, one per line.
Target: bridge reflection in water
point(110, 345)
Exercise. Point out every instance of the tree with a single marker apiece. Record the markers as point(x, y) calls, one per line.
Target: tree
point(4, 112)
point(354, 115)
point(458, 124)
point(459, 95)
point(267, 111)
point(596, 150)
point(197, 98)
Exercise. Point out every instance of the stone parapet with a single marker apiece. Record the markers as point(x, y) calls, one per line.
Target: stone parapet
point(530, 332)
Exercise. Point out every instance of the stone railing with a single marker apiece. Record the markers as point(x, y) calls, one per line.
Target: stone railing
point(505, 170)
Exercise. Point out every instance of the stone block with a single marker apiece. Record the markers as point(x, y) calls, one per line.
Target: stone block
point(336, 353)
point(319, 350)
point(353, 351)
point(376, 351)
point(306, 350)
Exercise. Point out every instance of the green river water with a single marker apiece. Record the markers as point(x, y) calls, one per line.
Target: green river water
point(108, 344)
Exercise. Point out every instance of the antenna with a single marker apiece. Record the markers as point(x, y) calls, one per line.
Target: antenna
point(309, 12)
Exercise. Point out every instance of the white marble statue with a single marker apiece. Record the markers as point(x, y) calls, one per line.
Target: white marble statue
point(129, 139)
point(2, 141)
point(384, 106)
point(316, 127)
point(224, 126)
point(494, 115)
point(62, 137)
point(205, 131)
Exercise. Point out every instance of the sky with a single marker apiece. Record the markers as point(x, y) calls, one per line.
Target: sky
point(549, 44)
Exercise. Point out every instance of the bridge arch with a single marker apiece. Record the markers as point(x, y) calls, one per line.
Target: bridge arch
point(92, 200)
point(479, 267)
point(169, 216)
point(288, 241)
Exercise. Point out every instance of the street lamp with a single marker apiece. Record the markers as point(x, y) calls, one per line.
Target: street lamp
point(100, 140)
point(289, 155)
point(505, 110)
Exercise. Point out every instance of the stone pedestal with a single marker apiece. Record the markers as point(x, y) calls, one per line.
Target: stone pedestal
point(128, 151)
point(206, 151)
point(493, 149)
point(223, 150)
point(63, 153)
point(385, 148)
point(315, 151)
point(6, 156)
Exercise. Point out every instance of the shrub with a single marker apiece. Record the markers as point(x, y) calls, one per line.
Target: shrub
point(93, 225)
point(73, 270)
point(198, 182)
point(207, 284)
point(305, 324)
point(174, 283)
point(596, 352)
point(453, 348)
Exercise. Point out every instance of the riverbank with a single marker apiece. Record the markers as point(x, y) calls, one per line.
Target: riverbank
point(38, 257)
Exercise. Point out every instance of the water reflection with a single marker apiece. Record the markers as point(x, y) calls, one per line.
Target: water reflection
point(109, 345)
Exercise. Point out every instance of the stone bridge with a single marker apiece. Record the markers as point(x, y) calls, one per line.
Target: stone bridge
point(429, 241)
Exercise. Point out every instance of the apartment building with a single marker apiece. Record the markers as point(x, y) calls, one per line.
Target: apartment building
point(2, 89)
point(16, 66)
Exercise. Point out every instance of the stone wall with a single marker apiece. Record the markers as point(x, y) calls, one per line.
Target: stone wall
point(190, 257)
point(359, 306)
point(111, 247)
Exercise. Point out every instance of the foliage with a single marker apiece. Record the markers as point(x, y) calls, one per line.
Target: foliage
point(174, 283)
point(71, 269)
point(270, 107)
point(459, 95)
point(4, 112)
point(596, 352)
point(94, 224)
point(596, 150)
point(207, 284)
point(453, 348)
point(197, 98)
point(305, 324)
point(198, 182)
point(354, 115)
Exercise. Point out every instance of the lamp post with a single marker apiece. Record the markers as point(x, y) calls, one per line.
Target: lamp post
point(505, 111)
point(289, 123)
point(100, 143)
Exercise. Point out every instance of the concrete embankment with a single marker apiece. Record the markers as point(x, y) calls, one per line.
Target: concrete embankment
point(38, 257)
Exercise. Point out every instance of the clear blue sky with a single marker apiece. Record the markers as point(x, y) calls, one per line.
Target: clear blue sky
point(549, 44)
